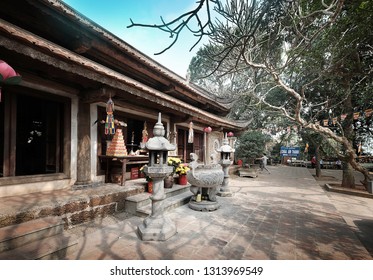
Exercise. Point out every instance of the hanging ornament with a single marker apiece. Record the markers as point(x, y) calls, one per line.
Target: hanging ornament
point(8, 75)
point(109, 123)
point(191, 133)
point(145, 134)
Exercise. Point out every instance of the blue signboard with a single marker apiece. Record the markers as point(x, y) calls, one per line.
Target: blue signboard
point(289, 151)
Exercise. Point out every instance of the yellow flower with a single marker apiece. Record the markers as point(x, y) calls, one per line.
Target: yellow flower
point(173, 161)
point(182, 169)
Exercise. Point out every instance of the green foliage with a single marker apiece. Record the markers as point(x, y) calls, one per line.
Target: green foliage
point(251, 145)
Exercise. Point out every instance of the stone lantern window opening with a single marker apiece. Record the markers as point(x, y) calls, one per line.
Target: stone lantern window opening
point(158, 158)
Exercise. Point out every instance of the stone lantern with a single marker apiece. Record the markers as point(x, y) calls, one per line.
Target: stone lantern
point(225, 161)
point(156, 226)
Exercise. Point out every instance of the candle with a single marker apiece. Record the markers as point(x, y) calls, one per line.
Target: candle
point(133, 136)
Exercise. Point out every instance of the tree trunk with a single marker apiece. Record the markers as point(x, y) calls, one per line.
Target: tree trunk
point(318, 169)
point(348, 178)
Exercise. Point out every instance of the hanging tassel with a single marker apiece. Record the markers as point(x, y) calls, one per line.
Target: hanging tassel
point(191, 133)
point(109, 123)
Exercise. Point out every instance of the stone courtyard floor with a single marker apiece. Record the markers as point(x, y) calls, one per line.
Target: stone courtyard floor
point(285, 215)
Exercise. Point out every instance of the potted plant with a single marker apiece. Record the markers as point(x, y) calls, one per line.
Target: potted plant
point(169, 180)
point(182, 170)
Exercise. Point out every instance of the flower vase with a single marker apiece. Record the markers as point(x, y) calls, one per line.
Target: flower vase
point(169, 181)
point(183, 179)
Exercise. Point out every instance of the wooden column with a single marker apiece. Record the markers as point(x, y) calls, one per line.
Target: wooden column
point(83, 156)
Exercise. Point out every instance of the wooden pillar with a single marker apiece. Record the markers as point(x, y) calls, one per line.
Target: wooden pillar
point(83, 156)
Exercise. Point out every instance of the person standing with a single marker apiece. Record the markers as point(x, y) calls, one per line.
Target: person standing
point(263, 165)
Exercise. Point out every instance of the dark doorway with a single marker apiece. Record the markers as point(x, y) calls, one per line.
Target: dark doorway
point(38, 136)
point(184, 148)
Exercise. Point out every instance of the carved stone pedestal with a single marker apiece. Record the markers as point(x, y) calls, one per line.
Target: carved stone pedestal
point(157, 226)
point(225, 190)
point(204, 205)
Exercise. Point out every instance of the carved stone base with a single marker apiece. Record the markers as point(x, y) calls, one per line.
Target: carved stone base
point(204, 205)
point(158, 228)
point(225, 193)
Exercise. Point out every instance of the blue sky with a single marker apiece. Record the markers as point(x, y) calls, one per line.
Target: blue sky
point(114, 15)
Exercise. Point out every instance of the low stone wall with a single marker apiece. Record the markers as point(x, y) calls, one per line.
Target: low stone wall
point(89, 204)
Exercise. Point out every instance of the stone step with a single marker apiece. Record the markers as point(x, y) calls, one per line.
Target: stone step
point(177, 189)
point(170, 203)
point(143, 201)
point(51, 248)
point(137, 201)
point(17, 235)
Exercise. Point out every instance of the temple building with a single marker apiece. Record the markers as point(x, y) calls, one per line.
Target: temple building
point(55, 125)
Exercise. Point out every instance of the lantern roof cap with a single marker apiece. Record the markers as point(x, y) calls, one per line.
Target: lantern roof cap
point(159, 142)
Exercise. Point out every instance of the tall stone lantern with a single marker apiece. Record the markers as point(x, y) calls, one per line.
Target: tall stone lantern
point(157, 226)
point(225, 151)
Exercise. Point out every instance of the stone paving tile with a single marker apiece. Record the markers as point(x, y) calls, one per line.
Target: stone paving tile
point(284, 215)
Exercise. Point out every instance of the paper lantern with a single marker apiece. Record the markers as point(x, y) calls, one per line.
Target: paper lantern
point(8, 75)
point(207, 129)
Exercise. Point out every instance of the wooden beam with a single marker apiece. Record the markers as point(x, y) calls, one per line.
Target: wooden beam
point(98, 95)
point(81, 45)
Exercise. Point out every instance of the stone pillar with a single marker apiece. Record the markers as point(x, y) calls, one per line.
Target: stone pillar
point(83, 156)
point(157, 226)
point(225, 189)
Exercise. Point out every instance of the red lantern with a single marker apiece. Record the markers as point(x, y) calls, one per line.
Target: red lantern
point(8, 75)
point(207, 129)
point(230, 134)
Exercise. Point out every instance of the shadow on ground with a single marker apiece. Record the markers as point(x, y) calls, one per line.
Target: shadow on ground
point(365, 233)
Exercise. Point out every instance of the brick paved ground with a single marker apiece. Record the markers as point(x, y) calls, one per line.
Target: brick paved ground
point(284, 215)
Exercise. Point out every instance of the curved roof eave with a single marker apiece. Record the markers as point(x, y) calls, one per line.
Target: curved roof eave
point(22, 41)
point(111, 38)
